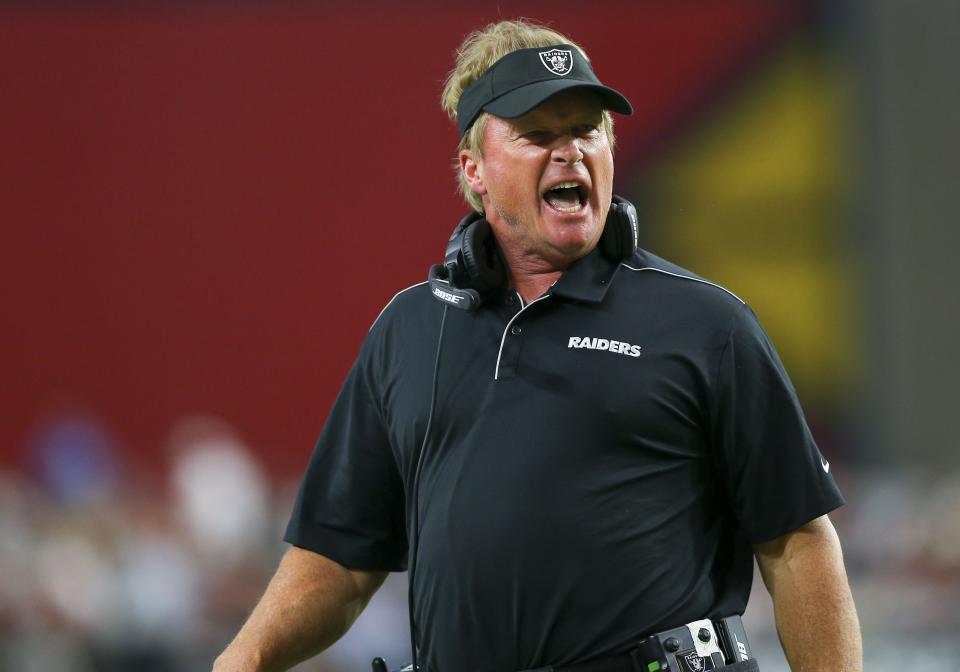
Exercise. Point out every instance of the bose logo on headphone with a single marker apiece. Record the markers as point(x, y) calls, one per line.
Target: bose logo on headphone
point(452, 299)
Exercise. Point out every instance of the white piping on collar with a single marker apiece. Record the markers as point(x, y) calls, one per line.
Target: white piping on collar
point(392, 300)
point(685, 277)
point(496, 370)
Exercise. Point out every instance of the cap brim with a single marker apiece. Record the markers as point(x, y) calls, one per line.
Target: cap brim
point(520, 101)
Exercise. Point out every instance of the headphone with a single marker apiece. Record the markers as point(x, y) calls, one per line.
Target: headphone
point(473, 267)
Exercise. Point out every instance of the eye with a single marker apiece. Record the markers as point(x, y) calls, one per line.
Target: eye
point(585, 130)
point(538, 137)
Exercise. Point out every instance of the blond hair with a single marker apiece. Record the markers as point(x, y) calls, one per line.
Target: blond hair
point(479, 50)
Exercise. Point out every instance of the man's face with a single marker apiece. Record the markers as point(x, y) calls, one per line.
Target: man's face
point(546, 178)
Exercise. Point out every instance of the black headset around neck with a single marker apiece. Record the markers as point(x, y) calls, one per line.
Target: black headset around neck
point(473, 268)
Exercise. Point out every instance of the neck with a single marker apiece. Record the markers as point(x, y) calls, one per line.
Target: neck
point(533, 266)
point(532, 276)
point(532, 288)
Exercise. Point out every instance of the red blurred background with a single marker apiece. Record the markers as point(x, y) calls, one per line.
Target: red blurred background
point(203, 210)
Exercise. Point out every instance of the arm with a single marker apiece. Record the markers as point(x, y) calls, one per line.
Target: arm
point(815, 615)
point(309, 604)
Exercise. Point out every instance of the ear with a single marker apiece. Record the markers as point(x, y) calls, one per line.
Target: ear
point(472, 172)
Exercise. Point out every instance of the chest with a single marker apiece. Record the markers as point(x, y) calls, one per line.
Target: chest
point(562, 372)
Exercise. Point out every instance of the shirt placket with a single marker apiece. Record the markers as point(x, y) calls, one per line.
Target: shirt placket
point(511, 341)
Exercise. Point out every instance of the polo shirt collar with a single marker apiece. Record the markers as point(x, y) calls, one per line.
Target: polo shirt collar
point(587, 279)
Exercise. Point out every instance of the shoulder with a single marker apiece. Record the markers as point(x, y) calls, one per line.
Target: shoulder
point(677, 296)
point(664, 282)
point(401, 325)
point(409, 305)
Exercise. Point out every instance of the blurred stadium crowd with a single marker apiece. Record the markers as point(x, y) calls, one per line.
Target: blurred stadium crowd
point(102, 575)
point(98, 575)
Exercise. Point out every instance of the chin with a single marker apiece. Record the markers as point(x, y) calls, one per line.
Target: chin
point(573, 239)
point(570, 249)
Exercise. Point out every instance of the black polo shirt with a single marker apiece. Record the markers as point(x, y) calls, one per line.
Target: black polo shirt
point(600, 462)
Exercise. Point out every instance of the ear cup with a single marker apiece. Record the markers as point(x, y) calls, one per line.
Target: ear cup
point(452, 254)
point(619, 238)
point(482, 264)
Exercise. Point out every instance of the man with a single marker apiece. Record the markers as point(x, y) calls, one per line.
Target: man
point(591, 454)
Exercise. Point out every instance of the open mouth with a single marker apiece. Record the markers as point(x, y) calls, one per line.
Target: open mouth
point(566, 197)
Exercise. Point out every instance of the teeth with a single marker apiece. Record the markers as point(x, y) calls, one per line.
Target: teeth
point(575, 207)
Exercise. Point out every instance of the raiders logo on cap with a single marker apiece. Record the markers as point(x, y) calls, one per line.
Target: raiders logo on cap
point(557, 61)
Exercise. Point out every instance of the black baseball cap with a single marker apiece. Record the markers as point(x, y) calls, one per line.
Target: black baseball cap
point(523, 79)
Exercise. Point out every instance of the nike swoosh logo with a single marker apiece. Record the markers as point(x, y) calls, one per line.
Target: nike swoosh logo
point(825, 465)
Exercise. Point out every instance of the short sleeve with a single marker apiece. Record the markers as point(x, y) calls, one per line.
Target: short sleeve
point(775, 476)
point(350, 506)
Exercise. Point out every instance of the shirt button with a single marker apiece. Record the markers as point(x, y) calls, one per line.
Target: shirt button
point(515, 329)
point(511, 299)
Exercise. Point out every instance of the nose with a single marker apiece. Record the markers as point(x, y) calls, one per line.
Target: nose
point(567, 150)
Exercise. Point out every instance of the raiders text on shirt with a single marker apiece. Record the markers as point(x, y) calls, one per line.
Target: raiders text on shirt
point(618, 347)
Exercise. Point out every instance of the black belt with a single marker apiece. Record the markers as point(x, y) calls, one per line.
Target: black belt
point(625, 663)
point(622, 663)
point(699, 646)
